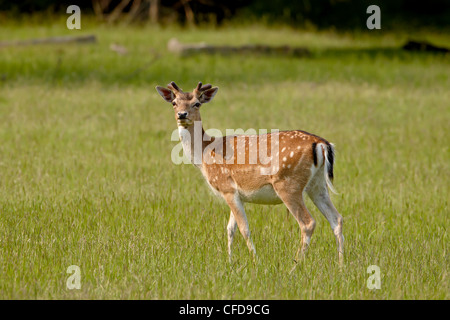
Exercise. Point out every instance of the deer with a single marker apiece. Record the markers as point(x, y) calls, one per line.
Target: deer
point(299, 163)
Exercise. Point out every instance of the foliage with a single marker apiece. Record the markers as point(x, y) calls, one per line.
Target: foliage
point(342, 14)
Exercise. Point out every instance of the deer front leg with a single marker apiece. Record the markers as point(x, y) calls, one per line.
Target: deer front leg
point(231, 229)
point(238, 212)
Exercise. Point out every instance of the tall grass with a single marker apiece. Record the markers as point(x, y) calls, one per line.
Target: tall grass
point(86, 177)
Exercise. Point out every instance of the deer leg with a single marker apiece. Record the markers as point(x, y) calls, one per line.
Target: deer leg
point(318, 192)
point(238, 212)
point(231, 229)
point(293, 199)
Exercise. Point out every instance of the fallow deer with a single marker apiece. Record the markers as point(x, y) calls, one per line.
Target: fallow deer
point(299, 161)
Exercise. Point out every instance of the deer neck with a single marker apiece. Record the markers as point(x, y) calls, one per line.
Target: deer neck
point(194, 140)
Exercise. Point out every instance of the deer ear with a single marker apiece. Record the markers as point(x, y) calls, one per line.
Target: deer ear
point(208, 95)
point(167, 94)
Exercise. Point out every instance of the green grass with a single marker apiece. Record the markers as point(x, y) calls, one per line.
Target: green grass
point(86, 177)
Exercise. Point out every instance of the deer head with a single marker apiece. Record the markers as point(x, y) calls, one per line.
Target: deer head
point(186, 105)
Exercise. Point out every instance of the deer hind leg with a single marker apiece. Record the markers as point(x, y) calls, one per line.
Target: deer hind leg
point(238, 213)
point(292, 197)
point(318, 192)
point(231, 229)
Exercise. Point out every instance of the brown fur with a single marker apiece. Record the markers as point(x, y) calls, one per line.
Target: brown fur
point(299, 163)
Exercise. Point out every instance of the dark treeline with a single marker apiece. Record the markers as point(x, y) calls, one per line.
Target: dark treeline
point(343, 14)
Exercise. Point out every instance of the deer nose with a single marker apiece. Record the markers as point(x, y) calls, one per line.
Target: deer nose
point(182, 115)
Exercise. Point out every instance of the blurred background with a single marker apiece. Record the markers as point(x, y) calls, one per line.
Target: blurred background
point(341, 14)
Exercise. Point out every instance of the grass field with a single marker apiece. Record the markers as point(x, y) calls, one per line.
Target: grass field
point(86, 176)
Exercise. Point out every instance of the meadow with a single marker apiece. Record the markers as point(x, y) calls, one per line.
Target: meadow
point(86, 176)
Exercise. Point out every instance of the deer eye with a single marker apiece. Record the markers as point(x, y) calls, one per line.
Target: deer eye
point(197, 105)
point(174, 103)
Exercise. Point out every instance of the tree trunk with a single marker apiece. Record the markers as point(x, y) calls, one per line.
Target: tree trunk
point(154, 11)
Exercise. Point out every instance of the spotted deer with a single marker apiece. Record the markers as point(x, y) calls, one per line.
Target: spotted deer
point(298, 162)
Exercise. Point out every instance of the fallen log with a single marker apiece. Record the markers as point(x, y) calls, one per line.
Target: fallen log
point(423, 46)
point(51, 40)
point(194, 48)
